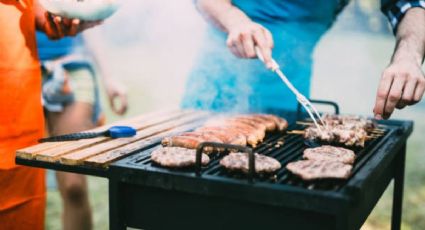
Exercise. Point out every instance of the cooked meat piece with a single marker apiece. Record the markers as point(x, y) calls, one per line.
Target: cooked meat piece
point(228, 136)
point(350, 137)
point(254, 124)
point(337, 134)
point(252, 134)
point(206, 137)
point(330, 153)
point(314, 133)
point(313, 169)
point(239, 162)
point(189, 142)
point(353, 121)
point(250, 137)
point(281, 124)
point(268, 123)
point(176, 157)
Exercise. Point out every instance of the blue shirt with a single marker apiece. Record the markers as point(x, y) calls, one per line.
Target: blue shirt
point(223, 82)
point(52, 49)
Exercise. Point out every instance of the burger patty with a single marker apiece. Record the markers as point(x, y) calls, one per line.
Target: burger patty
point(176, 157)
point(330, 153)
point(320, 169)
point(239, 162)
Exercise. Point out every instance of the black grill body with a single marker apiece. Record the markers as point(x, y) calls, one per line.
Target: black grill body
point(143, 195)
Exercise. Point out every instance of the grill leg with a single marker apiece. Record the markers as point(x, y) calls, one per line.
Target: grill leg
point(398, 189)
point(116, 221)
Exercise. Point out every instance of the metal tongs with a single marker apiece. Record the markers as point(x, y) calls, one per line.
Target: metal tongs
point(308, 106)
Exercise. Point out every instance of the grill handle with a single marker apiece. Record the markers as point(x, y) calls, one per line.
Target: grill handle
point(251, 156)
point(323, 102)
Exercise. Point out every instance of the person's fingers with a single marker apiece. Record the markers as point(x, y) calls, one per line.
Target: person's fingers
point(269, 38)
point(123, 104)
point(248, 45)
point(73, 28)
point(381, 96)
point(264, 47)
point(59, 26)
point(408, 93)
point(239, 46)
point(419, 91)
point(118, 102)
point(235, 51)
point(232, 47)
point(394, 96)
point(400, 105)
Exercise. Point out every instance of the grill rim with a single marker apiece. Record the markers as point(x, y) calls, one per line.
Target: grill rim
point(281, 195)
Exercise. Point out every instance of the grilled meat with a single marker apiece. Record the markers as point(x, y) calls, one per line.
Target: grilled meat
point(228, 135)
point(352, 121)
point(330, 153)
point(281, 124)
point(176, 157)
point(337, 134)
point(313, 169)
point(239, 162)
point(236, 130)
point(269, 124)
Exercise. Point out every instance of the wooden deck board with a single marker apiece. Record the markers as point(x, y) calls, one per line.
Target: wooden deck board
point(103, 160)
point(78, 157)
point(51, 151)
point(53, 154)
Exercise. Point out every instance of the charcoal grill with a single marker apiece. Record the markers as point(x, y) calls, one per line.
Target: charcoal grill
point(144, 195)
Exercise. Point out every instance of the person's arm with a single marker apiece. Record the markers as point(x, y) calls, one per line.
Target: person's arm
point(403, 82)
point(116, 92)
point(56, 27)
point(243, 33)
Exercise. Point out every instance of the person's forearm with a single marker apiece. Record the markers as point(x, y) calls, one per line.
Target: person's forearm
point(411, 37)
point(221, 13)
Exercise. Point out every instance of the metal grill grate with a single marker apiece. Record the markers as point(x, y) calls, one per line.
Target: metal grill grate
point(291, 150)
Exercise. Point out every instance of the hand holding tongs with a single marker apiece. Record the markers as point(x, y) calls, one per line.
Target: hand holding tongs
point(311, 110)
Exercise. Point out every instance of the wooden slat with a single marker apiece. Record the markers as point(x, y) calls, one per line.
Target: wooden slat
point(103, 160)
point(78, 157)
point(48, 151)
point(52, 155)
point(29, 152)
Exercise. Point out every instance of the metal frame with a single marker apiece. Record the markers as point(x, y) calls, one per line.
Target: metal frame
point(136, 203)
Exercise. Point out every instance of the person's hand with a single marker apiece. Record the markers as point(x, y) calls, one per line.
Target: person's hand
point(116, 91)
point(243, 37)
point(402, 84)
point(57, 27)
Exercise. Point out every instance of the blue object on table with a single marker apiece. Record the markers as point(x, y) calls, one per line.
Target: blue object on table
point(113, 132)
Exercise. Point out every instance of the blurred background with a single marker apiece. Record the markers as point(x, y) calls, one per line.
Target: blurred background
point(151, 45)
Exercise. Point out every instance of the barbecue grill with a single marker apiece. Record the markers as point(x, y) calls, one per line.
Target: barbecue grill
point(145, 195)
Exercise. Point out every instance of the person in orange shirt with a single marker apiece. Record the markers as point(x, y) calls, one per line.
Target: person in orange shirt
point(22, 189)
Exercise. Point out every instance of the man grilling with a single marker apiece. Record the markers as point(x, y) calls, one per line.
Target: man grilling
point(291, 29)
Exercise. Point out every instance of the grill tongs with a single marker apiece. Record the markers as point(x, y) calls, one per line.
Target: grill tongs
point(308, 106)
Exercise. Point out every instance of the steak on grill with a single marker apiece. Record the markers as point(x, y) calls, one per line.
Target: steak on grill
point(239, 162)
point(330, 153)
point(353, 121)
point(176, 157)
point(341, 134)
point(321, 169)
